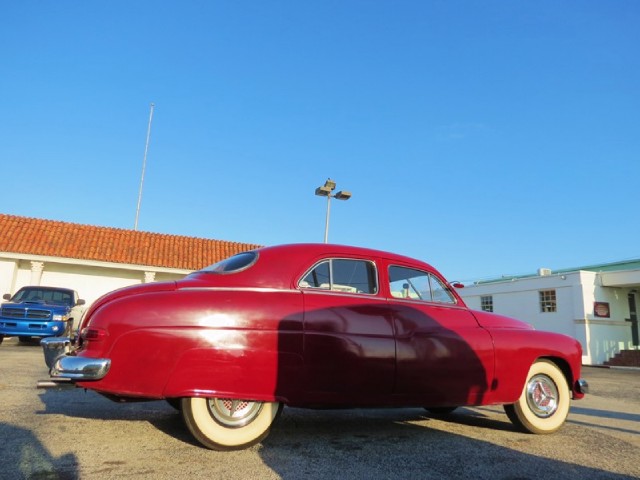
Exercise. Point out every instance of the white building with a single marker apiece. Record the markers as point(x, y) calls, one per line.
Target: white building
point(95, 260)
point(596, 304)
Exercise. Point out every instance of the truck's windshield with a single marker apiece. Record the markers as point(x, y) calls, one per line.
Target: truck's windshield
point(44, 295)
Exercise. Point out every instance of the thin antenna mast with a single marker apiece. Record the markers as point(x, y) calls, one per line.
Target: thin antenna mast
point(144, 165)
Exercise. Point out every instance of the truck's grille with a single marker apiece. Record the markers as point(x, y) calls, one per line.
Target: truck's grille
point(34, 313)
point(39, 314)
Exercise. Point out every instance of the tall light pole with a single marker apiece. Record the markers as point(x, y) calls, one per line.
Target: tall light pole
point(325, 191)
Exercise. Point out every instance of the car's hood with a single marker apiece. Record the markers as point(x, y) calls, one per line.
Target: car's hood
point(494, 321)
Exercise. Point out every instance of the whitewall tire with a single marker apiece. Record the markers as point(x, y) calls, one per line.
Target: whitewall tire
point(228, 424)
point(543, 405)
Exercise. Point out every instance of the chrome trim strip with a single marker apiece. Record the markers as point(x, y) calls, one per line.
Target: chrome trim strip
point(360, 296)
point(241, 289)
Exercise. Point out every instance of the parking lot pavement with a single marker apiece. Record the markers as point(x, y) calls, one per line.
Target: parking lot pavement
point(75, 434)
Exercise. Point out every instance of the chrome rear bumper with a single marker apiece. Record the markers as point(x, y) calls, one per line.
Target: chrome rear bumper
point(80, 368)
point(64, 366)
point(54, 347)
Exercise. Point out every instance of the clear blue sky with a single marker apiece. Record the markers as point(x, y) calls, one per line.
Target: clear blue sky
point(485, 137)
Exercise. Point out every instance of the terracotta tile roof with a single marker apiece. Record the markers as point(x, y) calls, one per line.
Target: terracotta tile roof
point(86, 242)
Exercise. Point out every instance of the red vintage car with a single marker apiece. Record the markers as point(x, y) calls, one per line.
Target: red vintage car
point(316, 326)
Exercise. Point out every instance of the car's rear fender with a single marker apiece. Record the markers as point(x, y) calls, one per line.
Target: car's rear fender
point(250, 373)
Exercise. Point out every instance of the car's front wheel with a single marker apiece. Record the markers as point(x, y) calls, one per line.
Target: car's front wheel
point(543, 405)
point(228, 424)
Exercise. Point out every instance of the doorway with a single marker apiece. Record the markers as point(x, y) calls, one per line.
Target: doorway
point(633, 318)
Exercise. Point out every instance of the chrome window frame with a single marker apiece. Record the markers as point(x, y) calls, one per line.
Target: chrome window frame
point(210, 270)
point(430, 278)
point(376, 276)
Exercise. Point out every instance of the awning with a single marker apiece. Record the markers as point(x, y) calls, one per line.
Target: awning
point(620, 278)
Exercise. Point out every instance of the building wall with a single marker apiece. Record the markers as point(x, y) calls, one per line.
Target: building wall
point(90, 280)
point(607, 336)
point(7, 276)
point(576, 292)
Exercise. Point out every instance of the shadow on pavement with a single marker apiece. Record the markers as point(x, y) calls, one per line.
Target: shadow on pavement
point(631, 417)
point(381, 444)
point(24, 457)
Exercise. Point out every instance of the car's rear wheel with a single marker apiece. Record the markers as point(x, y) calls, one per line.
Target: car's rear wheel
point(543, 405)
point(24, 339)
point(228, 424)
point(1, 339)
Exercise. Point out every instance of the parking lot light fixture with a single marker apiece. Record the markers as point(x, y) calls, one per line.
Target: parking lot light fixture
point(325, 191)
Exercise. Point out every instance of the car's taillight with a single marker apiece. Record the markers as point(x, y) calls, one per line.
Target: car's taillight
point(93, 334)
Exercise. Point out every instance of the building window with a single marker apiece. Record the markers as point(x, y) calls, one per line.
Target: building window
point(547, 301)
point(486, 303)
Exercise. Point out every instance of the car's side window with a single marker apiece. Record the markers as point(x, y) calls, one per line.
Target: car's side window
point(318, 277)
point(409, 283)
point(417, 285)
point(342, 275)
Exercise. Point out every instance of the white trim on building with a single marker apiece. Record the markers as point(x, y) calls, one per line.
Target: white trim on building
point(576, 294)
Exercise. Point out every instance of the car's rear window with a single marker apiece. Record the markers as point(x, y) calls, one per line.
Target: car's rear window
point(237, 263)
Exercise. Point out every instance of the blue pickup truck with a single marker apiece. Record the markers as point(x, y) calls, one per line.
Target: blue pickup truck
point(40, 312)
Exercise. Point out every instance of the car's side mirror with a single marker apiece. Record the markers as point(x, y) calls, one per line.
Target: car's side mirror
point(80, 302)
point(7, 296)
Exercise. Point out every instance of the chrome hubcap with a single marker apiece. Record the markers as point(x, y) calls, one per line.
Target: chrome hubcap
point(542, 396)
point(233, 413)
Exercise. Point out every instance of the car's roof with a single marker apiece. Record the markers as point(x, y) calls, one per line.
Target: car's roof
point(278, 265)
point(310, 250)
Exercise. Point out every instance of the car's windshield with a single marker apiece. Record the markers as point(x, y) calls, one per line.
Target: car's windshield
point(238, 262)
point(44, 295)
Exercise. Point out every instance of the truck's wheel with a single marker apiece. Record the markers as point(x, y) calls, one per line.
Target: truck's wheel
point(1, 339)
point(228, 424)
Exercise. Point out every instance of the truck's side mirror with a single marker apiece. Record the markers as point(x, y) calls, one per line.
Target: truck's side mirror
point(7, 296)
point(80, 302)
